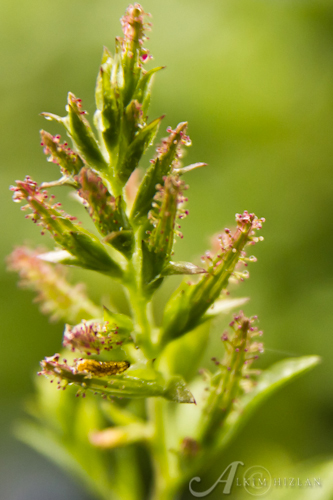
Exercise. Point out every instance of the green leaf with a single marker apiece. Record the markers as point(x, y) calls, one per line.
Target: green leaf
point(119, 385)
point(83, 136)
point(143, 89)
point(51, 117)
point(163, 218)
point(162, 165)
point(60, 431)
point(123, 322)
point(91, 254)
point(106, 211)
point(130, 159)
point(108, 103)
point(270, 380)
point(122, 241)
point(151, 263)
point(224, 306)
point(87, 250)
point(182, 268)
point(182, 356)
point(189, 168)
point(49, 445)
point(132, 122)
point(177, 391)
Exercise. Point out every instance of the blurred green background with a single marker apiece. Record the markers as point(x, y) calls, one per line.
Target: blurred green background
point(254, 78)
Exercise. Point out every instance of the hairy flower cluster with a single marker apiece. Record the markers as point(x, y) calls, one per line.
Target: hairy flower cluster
point(177, 138)
point(92, 337)
point(168, 203)
point(43, 213)
point(226, 243)
point(56, 296)
point(233, 375)
point(237, 342)
point(60, 154)
point(134, 29)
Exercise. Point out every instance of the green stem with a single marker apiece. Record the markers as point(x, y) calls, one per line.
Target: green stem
point(164, 461)
point(140, 304)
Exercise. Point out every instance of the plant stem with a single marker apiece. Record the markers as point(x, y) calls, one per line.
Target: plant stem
point(140, 304)
point(164, 462)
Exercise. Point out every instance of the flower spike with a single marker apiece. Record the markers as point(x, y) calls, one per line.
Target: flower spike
point(232, 376)
point(189, 303)
point(56, 296)
point(85, 248)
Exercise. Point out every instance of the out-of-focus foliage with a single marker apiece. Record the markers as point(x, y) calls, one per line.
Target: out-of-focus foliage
point(254, 79)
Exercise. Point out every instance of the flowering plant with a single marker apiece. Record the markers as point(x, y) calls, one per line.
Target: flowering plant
point(139, 372)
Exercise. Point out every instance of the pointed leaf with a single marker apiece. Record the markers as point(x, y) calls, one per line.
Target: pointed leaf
point(136, 149)
point(151, 263)
point(163, 218)
point(106, 211)
point(189, 168)
point(57, 257)
point(162, 165)
point(225, 305)
point(92, 255)
point(84, 246)
point(108, 103)
point(177, 391)
point(83, 136)
point(121, 321)
point(182, 268)
point(270, 380)
point(143, 89)
point(122, 241)
point(119, 385)
point(63, 120)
